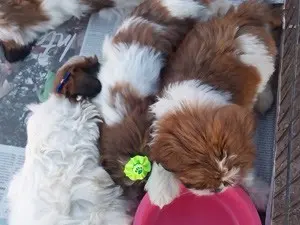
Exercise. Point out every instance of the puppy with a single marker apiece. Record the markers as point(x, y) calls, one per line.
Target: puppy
point(204, 125)
point(21, 21)
point(130, 75)
point(61, 181)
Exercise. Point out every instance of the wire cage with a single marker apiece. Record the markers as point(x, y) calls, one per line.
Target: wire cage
point(285, 201)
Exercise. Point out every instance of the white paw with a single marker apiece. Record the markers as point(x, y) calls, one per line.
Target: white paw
point(264, 100)
point(160, 199)
point(260, 195)
point(258, 191)
point(162, 186)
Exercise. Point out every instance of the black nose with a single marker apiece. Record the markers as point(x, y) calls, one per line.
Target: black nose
point(218, 190)
point(94, 89)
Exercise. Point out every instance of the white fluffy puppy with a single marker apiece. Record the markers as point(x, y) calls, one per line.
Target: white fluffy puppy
point(61, 181)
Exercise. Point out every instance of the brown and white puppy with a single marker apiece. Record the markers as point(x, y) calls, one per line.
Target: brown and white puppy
point(130, 76)
point(22, 21)
point(203, 129)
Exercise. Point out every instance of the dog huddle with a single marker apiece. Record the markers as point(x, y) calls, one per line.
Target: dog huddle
point(176, 89)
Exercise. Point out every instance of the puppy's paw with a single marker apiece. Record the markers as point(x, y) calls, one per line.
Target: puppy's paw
point(258, 191)
point(264, 100)
point(162, 186)
point(161, 199)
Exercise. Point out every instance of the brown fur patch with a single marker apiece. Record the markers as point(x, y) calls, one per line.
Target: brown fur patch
point(210, 53)
point(262, 35)
point(190, 142)
point(21, 13)
point(128, 94)
point(130, 137)
point(166, 38)
point(83, 79)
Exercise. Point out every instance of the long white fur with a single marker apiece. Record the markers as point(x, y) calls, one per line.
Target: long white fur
point(61, 181)
point(185, 9)
point(192, 9)
point(255, 53)
point(58, 12)
point(188, 92)
point(162, 186)
point(134, 64)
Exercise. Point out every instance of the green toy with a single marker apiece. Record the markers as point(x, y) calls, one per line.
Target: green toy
point(43, 93)
point(137, 168)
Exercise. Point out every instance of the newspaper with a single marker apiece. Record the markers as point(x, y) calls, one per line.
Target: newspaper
point(11, 160)
point(100, 25)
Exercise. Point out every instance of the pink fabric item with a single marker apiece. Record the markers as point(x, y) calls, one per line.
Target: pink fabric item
point(232, 207)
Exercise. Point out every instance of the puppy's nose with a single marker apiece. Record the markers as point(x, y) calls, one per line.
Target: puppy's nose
point(218, 190)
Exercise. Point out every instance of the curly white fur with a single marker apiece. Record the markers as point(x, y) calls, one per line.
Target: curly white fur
point(61, 182)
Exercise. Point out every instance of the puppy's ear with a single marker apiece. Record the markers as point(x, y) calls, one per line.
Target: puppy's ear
point(78, 78)
point(14, 52)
